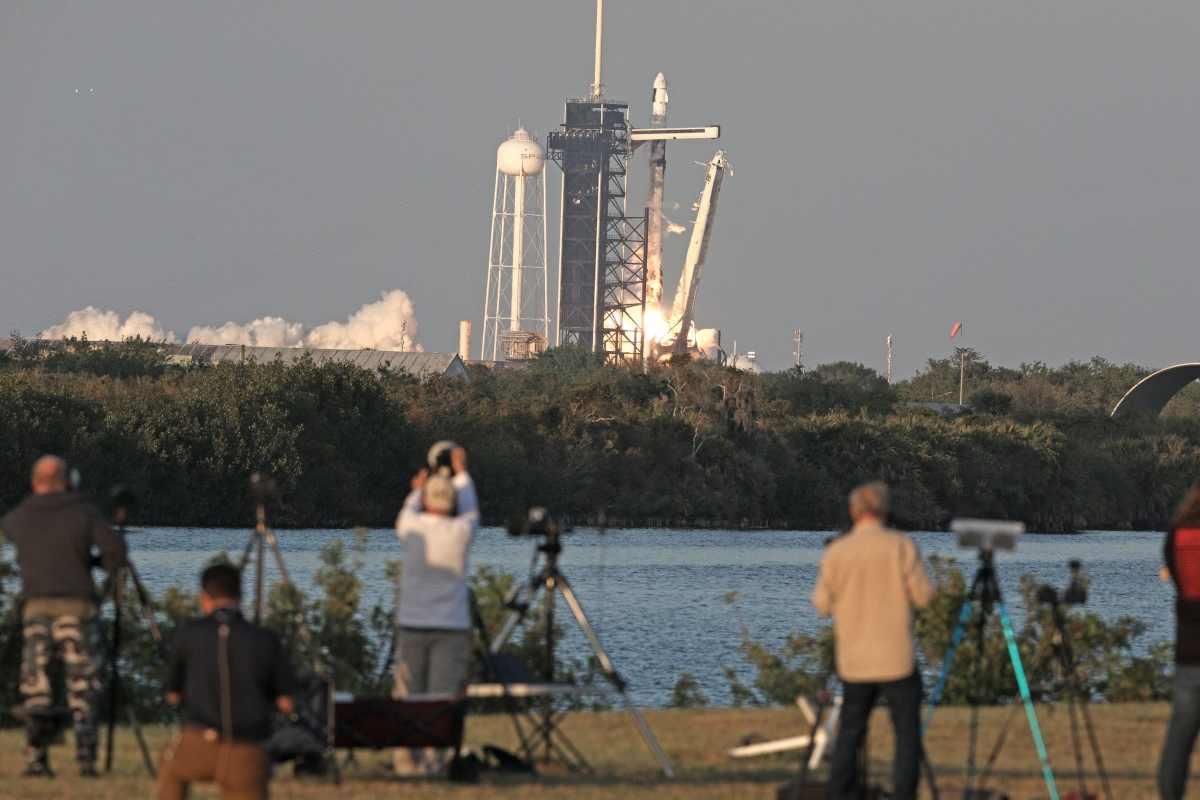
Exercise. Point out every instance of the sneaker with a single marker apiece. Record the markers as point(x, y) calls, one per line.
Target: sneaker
point(88, 770)
point(38, 768)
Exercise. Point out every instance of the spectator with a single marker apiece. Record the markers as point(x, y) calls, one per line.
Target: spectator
point(1181, 550)
point(433, 644)
point(871, 579)
point(55, 531)
point(227, 676)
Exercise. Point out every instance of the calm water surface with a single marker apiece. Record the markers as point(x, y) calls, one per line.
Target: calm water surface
point(656, 597)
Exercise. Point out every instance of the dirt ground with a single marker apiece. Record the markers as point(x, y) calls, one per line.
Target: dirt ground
point(697, 742)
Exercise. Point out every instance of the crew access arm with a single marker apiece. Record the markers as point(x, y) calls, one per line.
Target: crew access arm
point(697, 252)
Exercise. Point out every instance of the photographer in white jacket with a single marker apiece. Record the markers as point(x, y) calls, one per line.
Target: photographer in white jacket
point(433, 644)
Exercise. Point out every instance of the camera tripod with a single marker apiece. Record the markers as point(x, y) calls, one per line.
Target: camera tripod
point(261, 537)
point(550, 579)
point(116, 590)
point(1066, 658)
point(985, 597)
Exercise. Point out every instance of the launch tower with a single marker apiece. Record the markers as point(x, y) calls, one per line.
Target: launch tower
point(602, 266)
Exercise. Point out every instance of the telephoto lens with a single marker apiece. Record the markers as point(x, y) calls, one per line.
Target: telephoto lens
point(262, 486)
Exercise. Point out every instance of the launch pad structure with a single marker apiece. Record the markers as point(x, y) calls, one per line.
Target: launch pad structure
point(610, 281)
point(610, 262)
point(602, 261)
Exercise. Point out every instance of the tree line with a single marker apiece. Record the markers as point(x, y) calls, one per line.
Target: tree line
point(688, 444)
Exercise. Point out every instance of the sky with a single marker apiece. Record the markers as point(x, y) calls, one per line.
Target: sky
point(1029, 168)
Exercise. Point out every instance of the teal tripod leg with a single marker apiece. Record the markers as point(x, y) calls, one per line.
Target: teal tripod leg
point(960, 629)
point(1015, 656)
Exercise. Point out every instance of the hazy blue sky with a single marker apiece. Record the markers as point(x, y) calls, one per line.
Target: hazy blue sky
point(1030, 168)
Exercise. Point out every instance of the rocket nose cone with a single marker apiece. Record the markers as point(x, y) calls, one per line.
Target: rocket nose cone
point(660, 81)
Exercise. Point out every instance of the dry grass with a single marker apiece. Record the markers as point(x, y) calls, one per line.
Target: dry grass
point(1130, 735)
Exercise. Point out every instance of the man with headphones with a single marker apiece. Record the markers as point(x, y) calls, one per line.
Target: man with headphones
point(55, 531)
point(433, 644)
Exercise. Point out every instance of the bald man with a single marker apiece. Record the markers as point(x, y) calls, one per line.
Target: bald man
point(55, 532)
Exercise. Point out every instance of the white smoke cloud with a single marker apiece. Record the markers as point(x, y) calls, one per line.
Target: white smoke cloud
point(389, 323)
point(100, 325)
point(263, 332)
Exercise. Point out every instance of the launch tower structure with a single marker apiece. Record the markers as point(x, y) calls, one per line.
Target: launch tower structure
point(606, 268)
point(602, 252)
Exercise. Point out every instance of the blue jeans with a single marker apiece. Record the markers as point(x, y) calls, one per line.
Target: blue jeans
point(1181, 733)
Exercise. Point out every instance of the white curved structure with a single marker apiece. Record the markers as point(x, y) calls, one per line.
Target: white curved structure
point(514, 303)
point(1151, 394)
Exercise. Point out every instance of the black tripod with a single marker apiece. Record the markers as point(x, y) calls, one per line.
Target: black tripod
point(117, 588)
point(263, 488)
point(262, 537)
point(551, 580)
point(985, 594)
point(1076, 696)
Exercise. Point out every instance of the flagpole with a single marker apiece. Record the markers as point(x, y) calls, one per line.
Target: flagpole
point(962, 373)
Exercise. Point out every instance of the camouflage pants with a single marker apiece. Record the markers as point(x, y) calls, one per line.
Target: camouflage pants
point(72, 640)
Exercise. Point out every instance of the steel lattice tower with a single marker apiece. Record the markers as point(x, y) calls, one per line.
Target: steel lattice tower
point(602, 252)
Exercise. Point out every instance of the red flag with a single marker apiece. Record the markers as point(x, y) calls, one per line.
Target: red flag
point(956, 330)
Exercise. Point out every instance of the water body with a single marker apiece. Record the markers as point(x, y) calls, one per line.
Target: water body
point(656, 597)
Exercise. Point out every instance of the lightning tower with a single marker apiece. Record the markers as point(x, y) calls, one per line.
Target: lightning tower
point(602, 252)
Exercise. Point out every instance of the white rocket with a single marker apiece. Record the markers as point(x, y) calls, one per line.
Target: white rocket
point(654, 203)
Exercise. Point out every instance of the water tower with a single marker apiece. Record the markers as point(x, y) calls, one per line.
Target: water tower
point(516, 322)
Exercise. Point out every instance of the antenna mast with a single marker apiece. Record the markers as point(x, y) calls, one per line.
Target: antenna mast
point(597, 90)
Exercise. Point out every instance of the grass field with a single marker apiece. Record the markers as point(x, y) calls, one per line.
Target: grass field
point(1130, 736)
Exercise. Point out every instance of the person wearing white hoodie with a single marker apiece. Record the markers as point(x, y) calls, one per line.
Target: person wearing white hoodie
point(436, 527)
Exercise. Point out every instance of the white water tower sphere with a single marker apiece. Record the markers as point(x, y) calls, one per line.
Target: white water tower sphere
point(520, 154)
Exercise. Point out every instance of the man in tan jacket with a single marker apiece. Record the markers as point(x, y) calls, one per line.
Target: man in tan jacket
point(871, 580)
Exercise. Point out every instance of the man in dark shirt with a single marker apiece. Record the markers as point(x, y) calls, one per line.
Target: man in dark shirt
point(55, 531)
point(227, 676)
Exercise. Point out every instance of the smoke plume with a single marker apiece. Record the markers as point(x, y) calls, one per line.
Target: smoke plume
point(263, 332)
point(100, 325)
point(389, 323)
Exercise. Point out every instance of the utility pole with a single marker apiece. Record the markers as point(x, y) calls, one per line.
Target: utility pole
point(889, 359)
point(797, 347)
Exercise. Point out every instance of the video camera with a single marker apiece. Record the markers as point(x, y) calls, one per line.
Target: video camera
point(120, 501)
point(263, 487)
point(1074, 595)
point(987, 535)
point(537, 522)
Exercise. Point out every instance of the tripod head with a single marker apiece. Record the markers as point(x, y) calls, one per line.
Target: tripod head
point(538, 522)
point(120, 501)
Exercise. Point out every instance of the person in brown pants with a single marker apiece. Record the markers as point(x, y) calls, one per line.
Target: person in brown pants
point(227, 677)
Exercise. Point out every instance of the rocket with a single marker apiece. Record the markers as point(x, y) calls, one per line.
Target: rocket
point(654, 202)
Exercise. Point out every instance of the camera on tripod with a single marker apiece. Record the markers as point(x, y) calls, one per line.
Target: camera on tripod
point(536, 522)
point(120, 501)
point(987, 535)
point(1074, 595)
point(263, 487)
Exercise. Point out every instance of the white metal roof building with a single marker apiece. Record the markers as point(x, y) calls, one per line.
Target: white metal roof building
point(419, 365)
